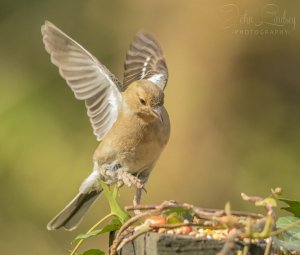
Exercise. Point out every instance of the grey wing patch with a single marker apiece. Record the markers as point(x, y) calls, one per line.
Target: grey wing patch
point(145, 60)
point(86, 76)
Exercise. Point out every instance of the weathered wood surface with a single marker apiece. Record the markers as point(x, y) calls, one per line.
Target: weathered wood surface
point(163, 244)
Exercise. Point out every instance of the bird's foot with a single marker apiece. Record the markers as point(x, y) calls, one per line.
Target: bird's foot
point(120, 184)
point(120, 176)
point(109, 173)
point(128, 179)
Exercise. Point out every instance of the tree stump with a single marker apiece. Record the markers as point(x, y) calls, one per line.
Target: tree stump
point(165, 244)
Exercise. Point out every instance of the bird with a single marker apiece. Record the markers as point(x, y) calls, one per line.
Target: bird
point(128, 119)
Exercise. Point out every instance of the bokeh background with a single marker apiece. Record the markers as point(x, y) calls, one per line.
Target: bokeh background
point(233, 97)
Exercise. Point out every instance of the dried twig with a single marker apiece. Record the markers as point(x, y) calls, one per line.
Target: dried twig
point(200, 212)
point(123, 231)
point(268, 247)
point(177, 225)
point(212, 215)
point(230, 242)
point(132, 237)
point(114, 248)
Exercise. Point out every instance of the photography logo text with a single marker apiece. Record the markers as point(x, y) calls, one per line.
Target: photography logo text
point(271, 20)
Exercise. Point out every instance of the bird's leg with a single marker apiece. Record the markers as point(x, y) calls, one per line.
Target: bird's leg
point(143, 177)
point(137, 199)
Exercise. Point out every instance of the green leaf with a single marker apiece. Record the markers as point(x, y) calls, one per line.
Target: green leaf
point(290, 239)
point(174, 218)
point(180, 212)
point(286, 245)
point(111, 196)
point(293, 206)
point(93, 252)
point(266, 201)
point(115, 224)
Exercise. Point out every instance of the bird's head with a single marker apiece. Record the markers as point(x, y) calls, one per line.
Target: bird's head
point(145, 99)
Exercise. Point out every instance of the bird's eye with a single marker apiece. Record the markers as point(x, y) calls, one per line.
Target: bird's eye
point(142, 101)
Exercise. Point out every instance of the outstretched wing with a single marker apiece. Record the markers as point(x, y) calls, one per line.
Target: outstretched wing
point(145, 60)
point(86, 76)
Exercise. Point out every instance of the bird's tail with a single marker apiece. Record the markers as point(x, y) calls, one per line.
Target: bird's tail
point(72, 214)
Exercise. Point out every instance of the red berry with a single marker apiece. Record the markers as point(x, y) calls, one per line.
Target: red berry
point(156, 221)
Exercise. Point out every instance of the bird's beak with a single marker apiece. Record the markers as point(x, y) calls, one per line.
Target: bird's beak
point(157, 112)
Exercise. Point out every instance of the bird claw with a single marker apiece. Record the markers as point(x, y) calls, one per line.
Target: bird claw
point(120, 176)
point(107, 173)
point(128, 179)
point(120, 184)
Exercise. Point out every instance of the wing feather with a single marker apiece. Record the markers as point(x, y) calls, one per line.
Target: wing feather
point(86, 76)
point(145, 60)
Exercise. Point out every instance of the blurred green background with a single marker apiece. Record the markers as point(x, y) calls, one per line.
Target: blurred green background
point(233, 100)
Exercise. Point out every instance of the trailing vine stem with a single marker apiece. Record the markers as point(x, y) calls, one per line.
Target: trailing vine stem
point(73, 252)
